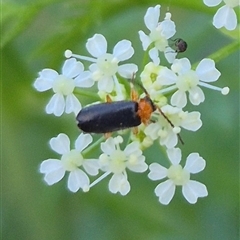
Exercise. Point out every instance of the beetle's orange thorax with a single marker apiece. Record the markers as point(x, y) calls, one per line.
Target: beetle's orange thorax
point(145, 109)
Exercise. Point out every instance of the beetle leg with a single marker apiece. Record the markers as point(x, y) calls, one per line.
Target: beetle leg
point(134, 95)
point(135, 130)
point(108, 99)
point(107, 135)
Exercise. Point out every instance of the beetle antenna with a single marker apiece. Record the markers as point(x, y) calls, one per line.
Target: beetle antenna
point(138, 84)
point(143, 88)
point(163, 114)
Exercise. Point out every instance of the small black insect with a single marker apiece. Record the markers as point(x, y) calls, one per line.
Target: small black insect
point(180, 45)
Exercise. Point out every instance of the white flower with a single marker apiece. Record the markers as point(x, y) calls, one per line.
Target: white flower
point(159, 34)
point(105, 65)
point(167, 134)
point(178, 176)
point(149, 80)
point(71, 161)
point(149, 76)
point(63, 85)
point(225, 15)
point(185, 80)
point(121, 95)
point(140, 137)
point(115, 161)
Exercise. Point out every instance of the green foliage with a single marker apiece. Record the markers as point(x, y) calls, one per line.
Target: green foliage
point(34, 36)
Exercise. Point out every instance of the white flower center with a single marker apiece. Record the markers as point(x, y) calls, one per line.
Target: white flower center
point(63, 85)
point(178, 175)
point(107, 64)
point(72, 160)
point(232, 3)
point(187, 81)
point(118, 161)
point(182, 115)
point(149, 76)
point(159, 41)
point(162, 133)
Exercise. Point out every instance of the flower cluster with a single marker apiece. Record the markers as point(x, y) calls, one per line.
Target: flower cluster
point(158, 115)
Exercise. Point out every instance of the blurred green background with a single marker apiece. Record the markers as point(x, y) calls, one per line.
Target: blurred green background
point(34, 36)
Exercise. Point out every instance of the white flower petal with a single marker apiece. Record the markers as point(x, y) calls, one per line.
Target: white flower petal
point(192, 122)
point(139, 166)
point(193, 190)
point(157, 172)
point(72, 68)
point(109, 146)
point(127, 70)
point(54, 177)
point(146, 41)
point(152, 130)
point(174, 155)
point(195, 163)
point(97, 45)
point(83, 141)
point(123, 50)
point(91, 166)
point(166, 76)
point(60, 144)
point(132, 148)
point(45, 80)
point(181, 66)
point(165, 191)
point(170, 141)
point(168, 109)
point(153, 54)
point(50, 165)
point(125, 188)
point(42, 85)
point(196, 95)
point(56, 105)
point(211, 3)
point(119, 183)
point(168, 28)
point(106, 84)
point(53, 170)
point(77, 179)
point(84, 80)
point(225, 17)
point(170, 54)
point(206, 70)
point(72, 104)
point(93, 67)
point(151, 17)
point(179, 99)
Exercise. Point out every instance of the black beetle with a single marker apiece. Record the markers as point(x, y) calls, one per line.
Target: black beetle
point(113, 116)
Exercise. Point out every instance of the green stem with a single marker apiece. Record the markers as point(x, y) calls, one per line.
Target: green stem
point(93, 146)
point(146, 56)
point(83, 92)
point(145, 59)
